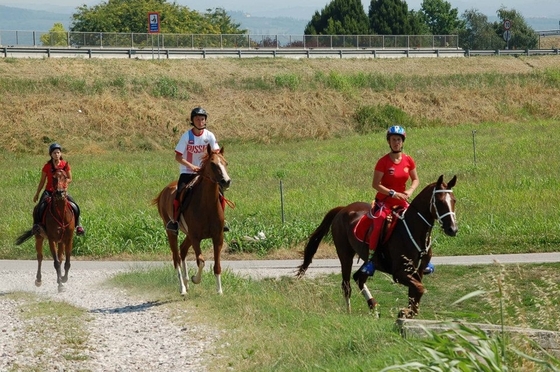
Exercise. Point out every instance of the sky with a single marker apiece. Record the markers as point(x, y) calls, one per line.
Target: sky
point(305, 9)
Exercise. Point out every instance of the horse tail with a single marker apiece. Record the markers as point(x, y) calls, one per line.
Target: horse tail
point(24, 237)
point(315, 239)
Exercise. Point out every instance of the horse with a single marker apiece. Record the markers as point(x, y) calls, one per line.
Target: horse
point(404, 254)
point(59, 230)
point(201, 217)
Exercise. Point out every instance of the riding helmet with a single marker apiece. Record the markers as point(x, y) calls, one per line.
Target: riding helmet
point(53, 147)
point(398, 130)
point(198, 111)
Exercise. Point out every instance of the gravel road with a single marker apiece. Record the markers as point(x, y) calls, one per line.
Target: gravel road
point(128, 333)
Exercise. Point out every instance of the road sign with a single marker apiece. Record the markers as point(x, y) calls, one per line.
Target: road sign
point(507, 24)
point(507, 35)
point(153, 22)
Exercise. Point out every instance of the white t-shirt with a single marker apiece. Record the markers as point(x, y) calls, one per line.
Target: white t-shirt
point(193, 148)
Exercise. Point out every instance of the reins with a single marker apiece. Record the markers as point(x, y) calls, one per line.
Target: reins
point(439, 219)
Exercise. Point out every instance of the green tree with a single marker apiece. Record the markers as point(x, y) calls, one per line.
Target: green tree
point(441, 18)
point(132, 16)
point(389, 17)
point(57, 36)
point(478, 33)
point(522, 35)
point(417, 24)
point(339, 17)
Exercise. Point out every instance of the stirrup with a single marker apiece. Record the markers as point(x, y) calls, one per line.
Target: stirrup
point(172, 226)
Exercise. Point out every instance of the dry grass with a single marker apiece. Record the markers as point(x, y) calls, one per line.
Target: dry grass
point(47, 95)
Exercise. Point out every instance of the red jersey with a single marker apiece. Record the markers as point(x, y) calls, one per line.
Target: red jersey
point(394, 177)
point(49, 170)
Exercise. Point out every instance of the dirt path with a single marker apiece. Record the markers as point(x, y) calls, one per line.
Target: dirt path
point(123, 333)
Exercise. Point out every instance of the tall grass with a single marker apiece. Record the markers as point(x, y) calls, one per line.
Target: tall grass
point(287, 324)
point(506, 190)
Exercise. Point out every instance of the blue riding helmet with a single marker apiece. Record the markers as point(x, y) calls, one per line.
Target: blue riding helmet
point(398, 130)
point(53, 147)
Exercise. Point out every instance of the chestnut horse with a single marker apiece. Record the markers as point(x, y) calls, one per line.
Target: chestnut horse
point(59, 230)
point(201, 216)
point(404, 255)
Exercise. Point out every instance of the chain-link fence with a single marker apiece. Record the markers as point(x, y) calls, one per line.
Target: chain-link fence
point(185, 41)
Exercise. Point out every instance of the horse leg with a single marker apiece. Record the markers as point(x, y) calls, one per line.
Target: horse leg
point(172, 239)
point(218, 243)
point(361, 279)
point(197, 278)
point(67, 253)
point(415, 292)
point(184, 250)
point(53, 247)
point(39, 248)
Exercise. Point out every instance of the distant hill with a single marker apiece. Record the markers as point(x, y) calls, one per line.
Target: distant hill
point(18, 19)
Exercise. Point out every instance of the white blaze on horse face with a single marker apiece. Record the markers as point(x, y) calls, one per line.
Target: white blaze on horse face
point(448, 201)
point(223, 171)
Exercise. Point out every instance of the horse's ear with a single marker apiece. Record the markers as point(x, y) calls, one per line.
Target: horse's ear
point(209, 150)
point(451, 183)
point(439, 181)
point(222, 150)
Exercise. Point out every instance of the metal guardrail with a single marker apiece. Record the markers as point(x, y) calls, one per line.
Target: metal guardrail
point(174, 53)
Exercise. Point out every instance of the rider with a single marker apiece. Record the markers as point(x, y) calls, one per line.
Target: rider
point(189, 153)
point(55, 162)
point(390, 176)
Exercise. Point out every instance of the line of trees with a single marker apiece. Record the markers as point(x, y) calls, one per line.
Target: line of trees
point(339, 17)
point(435, 17)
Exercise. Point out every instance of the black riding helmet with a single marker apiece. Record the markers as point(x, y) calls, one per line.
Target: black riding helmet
point(198, 111)
point(53, 147)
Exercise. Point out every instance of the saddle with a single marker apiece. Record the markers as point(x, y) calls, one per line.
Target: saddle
point(184, 194)
point(363, 228)
point(40, 210)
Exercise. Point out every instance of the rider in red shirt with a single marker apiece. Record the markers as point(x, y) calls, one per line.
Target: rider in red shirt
point(390, 176)
point(56, 162)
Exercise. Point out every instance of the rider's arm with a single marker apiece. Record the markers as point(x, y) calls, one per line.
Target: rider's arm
point(414, 183)
point(40, 187)
point(179, 159)
point(376, 183)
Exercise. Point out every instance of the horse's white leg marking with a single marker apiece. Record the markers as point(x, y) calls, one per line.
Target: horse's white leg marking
point(218, 283)
point(185, 277)
point(182, 287)
point(198, 277)
point(365, 292)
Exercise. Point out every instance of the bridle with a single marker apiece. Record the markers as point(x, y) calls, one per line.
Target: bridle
point(438, 219)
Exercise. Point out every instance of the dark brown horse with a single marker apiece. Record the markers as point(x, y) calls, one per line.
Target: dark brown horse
point(201, 217)
point(404, 255)
point(59, 230)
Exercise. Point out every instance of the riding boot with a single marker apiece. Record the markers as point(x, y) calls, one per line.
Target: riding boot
point(79, 229)
point(173, 225)
point(429, 269)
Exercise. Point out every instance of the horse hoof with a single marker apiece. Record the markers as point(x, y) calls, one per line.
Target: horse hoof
point(64, 280)
point(195, 280)
point(38, 283)
point(61, 288)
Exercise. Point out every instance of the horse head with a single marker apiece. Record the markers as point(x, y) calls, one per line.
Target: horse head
point(60, 183)
point(443, 205)
point(214, 167)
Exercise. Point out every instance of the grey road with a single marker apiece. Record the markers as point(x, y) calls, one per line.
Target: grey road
point(277, 268)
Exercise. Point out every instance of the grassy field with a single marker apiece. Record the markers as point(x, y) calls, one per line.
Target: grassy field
point(306, 133)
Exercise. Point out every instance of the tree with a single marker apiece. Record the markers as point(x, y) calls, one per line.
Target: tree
point(478, 33)
point(389, 17)
point(132, 16)
point(522, 35)
point(417, 24)
point(57, 36)
point(339, 17)
point(440, 17)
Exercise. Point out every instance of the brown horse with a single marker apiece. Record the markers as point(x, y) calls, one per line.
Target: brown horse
point(404, 255)
point(59, 230)
point(201, 216)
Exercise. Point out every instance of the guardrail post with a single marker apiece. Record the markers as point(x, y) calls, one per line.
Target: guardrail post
point(89, 53)
point(49, 52)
